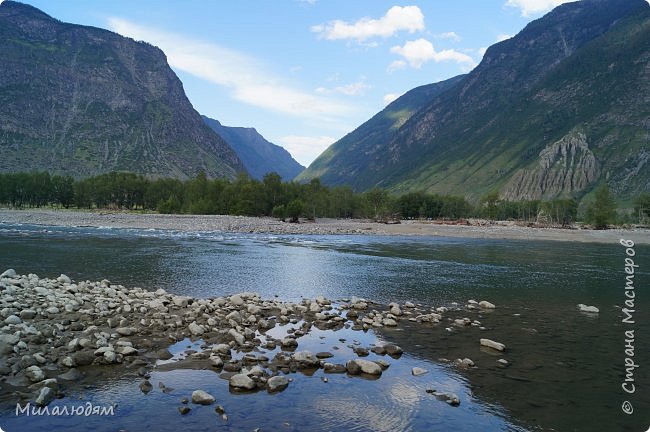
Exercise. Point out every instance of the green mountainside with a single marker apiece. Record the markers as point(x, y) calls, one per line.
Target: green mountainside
point(345, 159)
point(551, 112)
point(259, 156)
point(82, 101)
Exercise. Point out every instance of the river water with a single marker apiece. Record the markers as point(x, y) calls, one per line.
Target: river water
point(566, 367)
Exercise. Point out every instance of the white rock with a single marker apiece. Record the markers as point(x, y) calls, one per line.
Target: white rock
point(13, 319)
point(216, 361)
point(221, 349)
point(64, 279)
point(389, 322)
point(45, 396)
point(110, 356)
point(238, 337)
point(27, 314)
point(492, 344)
point(34, 374)
point(241, 381)
point(236, 300)
point(417, 371)
point(196, 329)
point(202, 397)
point(180, 301)
point(127, 351)
point(125, 331)
point(10, 274)
point(408, 304)
point(585, 308)
point(368, 367)
point(52, 310)
point(276, 383)
point(486, 305)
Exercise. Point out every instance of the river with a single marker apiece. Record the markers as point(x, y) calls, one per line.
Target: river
point(566, 367)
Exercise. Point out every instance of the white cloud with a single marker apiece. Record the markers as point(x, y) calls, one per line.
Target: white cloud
point(390, 97)
point(396, 65)
point(353, 89)
point(247, 78)
point(305, 149)
point(398, 18)
point(532, 7)
point(482, 51)
point(501, 37)
point(421, 51)
point(448, 35)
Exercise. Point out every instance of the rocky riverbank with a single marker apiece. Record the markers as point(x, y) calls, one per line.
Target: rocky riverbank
point(244, 224)
point(56, 332)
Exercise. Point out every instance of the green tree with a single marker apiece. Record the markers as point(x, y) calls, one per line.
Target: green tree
point(602, 210)
point(376, 203)
point(642, 207)
point(279, 212)
point(294, 210)
point(490, 204)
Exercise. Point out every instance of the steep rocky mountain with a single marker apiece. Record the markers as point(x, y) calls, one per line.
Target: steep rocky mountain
point(82, 101)
point(346, 158)
point(259, 156)
point(555, 110)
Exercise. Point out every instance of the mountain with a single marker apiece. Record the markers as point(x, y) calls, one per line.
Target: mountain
point(82, 101)
point(555, 110)
point(346, 158)
point(259, 156)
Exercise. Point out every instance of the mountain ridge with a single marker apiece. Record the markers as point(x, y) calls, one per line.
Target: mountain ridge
point(105, 103)
point(549, 82)
point(259, 155)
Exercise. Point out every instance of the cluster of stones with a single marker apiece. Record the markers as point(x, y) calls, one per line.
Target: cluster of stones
point(53, 328)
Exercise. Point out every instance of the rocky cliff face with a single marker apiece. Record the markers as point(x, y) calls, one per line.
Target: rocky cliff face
point(82, 101)
point(565, 168)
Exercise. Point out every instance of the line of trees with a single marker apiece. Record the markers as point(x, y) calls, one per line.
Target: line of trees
point(272, 197)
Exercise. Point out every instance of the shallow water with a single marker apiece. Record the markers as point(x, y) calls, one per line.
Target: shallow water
point(566, 367)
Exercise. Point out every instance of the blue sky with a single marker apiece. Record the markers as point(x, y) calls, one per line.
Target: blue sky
point(306, 72)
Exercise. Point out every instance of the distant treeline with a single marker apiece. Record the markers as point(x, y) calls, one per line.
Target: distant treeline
point(270, 197)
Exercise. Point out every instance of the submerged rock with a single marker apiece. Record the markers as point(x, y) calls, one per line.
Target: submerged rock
point(492, 344)
point(417, 371)
point(585, 308)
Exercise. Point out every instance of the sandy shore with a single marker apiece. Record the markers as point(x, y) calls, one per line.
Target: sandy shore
point(501, 230)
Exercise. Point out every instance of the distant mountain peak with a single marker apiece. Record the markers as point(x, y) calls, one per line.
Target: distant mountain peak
point(259, 156)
